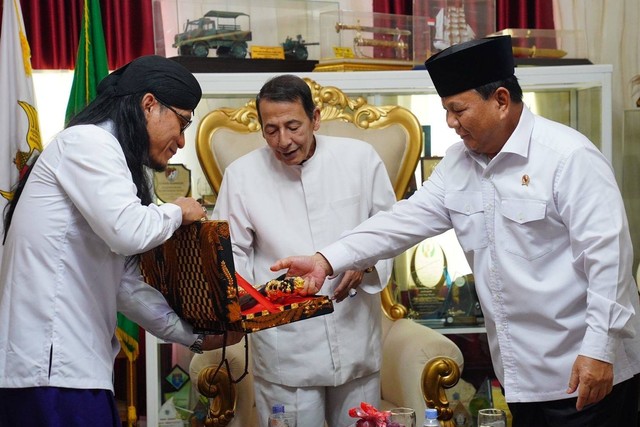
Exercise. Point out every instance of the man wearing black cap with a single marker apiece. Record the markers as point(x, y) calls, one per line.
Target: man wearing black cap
point(540, 218)
point(72, 232)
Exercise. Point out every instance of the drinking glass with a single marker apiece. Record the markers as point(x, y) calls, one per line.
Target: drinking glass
point(492, 417)
point(402, 417)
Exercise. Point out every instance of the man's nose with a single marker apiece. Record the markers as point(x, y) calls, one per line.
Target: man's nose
point(452, 122)
point(283, 138)
point(181, 141)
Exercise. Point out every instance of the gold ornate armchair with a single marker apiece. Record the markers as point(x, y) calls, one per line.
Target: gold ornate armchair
point(418, 363)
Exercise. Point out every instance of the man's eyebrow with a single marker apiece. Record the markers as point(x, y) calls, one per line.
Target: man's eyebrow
point(453, 104)
point(288, 123)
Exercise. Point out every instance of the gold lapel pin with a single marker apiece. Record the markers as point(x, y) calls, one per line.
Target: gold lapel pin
point(525, 179)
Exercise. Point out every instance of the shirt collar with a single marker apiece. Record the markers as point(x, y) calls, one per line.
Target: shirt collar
point(518, 142)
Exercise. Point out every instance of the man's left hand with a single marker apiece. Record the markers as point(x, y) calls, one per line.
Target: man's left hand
point(350, 280)
point(212, 342)
point(592, 378)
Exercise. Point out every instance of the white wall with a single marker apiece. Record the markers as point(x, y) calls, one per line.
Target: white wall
point(52, 89)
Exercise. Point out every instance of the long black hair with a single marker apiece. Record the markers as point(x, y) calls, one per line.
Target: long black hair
point(17, 191)
point(131, 131)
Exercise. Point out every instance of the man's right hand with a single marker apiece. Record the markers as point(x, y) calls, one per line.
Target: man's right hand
point(313, 269)
point(192, 211)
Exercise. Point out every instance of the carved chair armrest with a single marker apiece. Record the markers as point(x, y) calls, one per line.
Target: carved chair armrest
point(217, 386)
point(439, 374)
point(230, 403)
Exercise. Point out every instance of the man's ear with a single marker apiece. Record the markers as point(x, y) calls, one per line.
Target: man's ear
point(316, 119)
point(148, 101)
point(503, 97)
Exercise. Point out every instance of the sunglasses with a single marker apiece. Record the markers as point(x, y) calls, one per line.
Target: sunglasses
point(185, 122)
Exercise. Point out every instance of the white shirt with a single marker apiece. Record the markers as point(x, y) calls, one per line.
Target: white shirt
point(544, 229)
point(275, 210)
point(63, 274)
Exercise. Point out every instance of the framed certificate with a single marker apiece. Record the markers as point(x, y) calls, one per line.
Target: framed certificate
point(428, 164)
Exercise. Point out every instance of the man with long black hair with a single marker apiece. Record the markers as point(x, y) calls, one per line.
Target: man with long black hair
point(72, 235)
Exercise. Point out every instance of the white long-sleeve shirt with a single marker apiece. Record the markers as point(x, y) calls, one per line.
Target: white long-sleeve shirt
point(276, 210)
point(544, 230)
point(63, 275)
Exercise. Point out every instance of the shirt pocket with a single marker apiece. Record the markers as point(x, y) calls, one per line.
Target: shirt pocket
point(467, 217)
point(526, 232)
point(347, 210)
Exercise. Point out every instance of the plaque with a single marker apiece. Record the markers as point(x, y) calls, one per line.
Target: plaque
point(428, 165)
point(173, 182)
point(461, 306)
point(421, 274)
point(267, 52)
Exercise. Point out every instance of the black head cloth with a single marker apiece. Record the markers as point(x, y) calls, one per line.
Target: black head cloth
point(471, 64)
point(169, 81)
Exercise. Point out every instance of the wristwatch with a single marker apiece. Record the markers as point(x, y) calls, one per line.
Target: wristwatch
point(196, 347)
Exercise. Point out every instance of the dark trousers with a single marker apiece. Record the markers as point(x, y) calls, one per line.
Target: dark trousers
point(619, 408)
point(57, 407)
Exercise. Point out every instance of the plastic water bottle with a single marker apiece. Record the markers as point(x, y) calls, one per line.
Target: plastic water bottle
point(280, 418)
point(431, 418)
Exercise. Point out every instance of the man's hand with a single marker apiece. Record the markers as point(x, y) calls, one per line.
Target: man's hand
point(350, 280)
point(592, 378)
point(313, 269)
point(192, 211)
point(212, 342)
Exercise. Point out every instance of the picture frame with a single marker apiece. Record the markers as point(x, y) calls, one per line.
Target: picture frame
point(427, 165)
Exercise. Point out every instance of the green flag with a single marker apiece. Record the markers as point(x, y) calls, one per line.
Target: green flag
point(127, 333)
point(91, 67)
point(91, 63)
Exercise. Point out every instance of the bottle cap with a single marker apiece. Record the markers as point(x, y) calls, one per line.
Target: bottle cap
point(278, 408)
point(431, 413)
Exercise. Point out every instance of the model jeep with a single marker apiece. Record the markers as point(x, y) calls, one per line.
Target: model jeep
point(217, 30)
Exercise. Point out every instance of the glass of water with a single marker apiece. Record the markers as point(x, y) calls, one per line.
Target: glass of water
point(402, 417)
point(492, 417)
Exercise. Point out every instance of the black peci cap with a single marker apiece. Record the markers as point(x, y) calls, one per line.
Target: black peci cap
point(471, 64)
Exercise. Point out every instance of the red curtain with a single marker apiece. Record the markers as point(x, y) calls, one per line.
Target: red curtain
point(524, 14)
point(53, 28)
point(398, 7)
point(509, 13)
